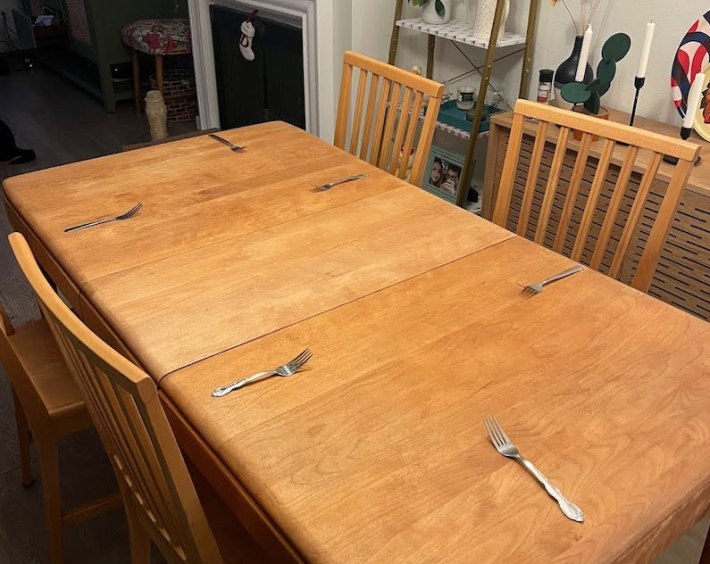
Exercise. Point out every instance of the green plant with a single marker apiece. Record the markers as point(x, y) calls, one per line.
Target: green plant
point(438, 6)
point(614, 50)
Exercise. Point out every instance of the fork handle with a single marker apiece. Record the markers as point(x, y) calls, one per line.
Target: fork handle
point(344, 180)
point(219, 392)
point(90, 224)
point(563, 274)
point(570, 510)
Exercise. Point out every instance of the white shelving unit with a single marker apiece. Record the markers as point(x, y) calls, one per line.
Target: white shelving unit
point(462, 32)
point(459, 31)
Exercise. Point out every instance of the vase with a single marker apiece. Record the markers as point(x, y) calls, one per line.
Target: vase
point(567, 71)
point(157, 115)
point(430, 15)
point(485, 14)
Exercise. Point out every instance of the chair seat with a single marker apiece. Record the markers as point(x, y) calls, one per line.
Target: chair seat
point(158, 37)
point(39, 354)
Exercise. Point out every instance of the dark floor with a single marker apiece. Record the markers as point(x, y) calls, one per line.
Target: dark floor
point(62, 124)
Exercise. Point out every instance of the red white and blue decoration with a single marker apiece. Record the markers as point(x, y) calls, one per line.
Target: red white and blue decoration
point(692, 57)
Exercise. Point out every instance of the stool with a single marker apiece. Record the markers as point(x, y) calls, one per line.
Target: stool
point(156, 38)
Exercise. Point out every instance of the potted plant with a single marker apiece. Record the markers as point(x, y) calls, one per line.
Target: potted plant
point(586, 97)
point(435, 11)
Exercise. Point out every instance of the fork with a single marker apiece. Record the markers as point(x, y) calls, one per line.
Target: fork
point(504, 446)
point(537, 287)
point(235, 148)
point(285, 370)
point(129, 214)
point(329, 185)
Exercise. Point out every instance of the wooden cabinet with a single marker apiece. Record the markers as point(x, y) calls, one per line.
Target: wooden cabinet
point(683, 274)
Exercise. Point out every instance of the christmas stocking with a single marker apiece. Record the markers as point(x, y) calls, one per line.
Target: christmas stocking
point(246, 39)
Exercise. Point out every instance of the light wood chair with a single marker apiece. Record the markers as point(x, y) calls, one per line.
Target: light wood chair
point(48, 406)
point(382, 88)
point(602, 230)
point(158, 494)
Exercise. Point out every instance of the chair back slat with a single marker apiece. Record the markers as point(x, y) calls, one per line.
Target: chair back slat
point(572, 190)
point(635, 213)
point(357, 119)
point(649, 260)
point(341, 119)
point(411, 131)
point(582, 210)
point(552, 186)
point(403, 114)
point(533, 174)
point(367, 133)
point(392, 103)
point(593, 199)
point(124, 405)
point(510, 165)
point(380, 123)
point(385, 129)
point(617, 196)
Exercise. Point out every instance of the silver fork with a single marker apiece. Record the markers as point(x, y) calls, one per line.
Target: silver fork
point(235, 148)
point(285, 370)
point(537, 287)
point(329, 185)
point(129, 214)
point(504, 446)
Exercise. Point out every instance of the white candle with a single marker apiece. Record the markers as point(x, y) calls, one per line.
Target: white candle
point(696, 91)
point(584, 55)
point(646, 50)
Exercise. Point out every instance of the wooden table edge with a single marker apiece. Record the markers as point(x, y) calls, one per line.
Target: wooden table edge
point(232, 492)
point(679, 521)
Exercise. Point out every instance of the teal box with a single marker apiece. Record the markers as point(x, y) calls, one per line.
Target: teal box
point(451, 115)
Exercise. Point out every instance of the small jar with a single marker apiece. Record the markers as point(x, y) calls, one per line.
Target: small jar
point(544, 88)
point(466, 98)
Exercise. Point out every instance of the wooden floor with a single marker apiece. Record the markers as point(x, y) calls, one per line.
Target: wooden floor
point(62, 125)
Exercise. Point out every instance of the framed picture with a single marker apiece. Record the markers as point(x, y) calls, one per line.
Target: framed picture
point(443, 174)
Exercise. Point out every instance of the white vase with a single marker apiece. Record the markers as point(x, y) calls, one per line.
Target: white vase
point(430, 16)
point(157, 115)
point(485, 14)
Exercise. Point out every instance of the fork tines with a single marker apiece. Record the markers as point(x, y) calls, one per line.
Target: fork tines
point(301, 359)
point(495, 432)
point(531, 290)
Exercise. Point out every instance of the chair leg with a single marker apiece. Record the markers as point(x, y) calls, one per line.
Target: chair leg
point(137, 536)
point(24, 438)
point(136, 79)
point(49, 469)
point(159, 72)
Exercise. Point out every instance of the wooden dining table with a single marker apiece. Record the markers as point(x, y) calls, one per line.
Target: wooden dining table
point(414, 311)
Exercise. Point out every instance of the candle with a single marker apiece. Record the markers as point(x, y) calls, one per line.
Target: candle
point(646, 50)
point(584, 55)
point(696, 91)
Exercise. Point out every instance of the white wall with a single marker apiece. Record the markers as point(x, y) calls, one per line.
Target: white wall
point(372, 24)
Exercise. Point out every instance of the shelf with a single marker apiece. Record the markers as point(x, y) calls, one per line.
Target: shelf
point(459, 31)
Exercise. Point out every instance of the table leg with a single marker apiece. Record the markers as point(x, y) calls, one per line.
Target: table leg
point(136, 79)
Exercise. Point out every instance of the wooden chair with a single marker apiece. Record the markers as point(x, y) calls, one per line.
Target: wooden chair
point(159, 497)
point(48, 406)
point(380, 89)
point(604, 226)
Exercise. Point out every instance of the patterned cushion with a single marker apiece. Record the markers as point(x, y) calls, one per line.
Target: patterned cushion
point(158, 37)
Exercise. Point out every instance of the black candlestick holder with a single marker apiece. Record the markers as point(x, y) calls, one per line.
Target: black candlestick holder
point(684, 135)
point(638, 83)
